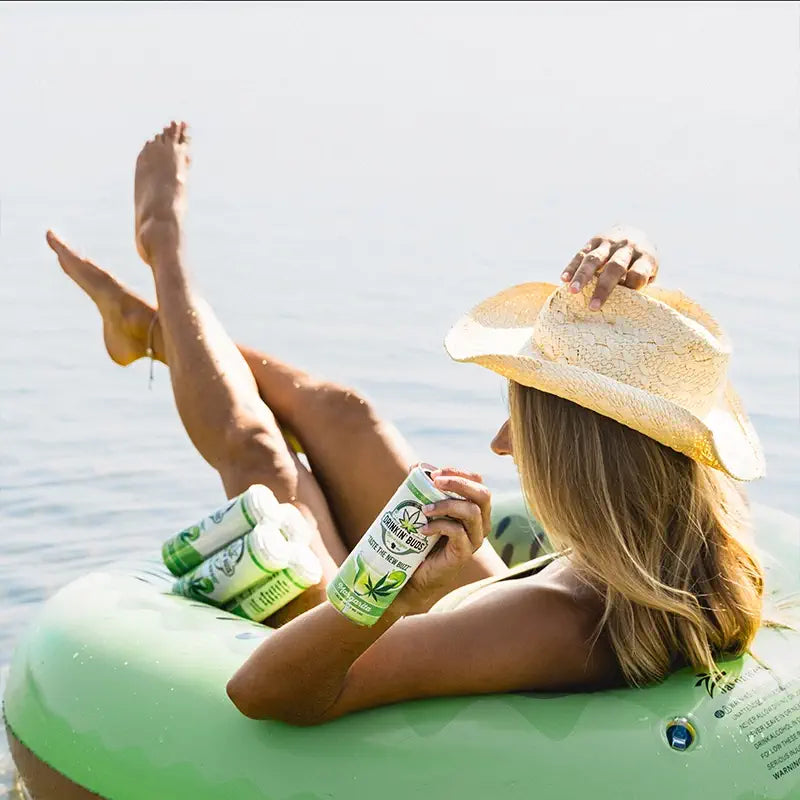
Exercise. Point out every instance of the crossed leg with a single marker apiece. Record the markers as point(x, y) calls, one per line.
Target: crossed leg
point(233, 401)
point(357, 457)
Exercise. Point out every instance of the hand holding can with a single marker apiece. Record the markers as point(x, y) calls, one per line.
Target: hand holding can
point(399, 540)
point(460, 524)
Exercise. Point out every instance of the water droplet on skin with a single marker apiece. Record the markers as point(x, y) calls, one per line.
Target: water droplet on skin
point(264, 361)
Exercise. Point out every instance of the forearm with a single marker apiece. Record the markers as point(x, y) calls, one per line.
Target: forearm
point(298, 673)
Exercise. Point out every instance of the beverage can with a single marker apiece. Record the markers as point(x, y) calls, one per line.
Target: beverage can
point(389, 552)
point(238, 516)
point(291, 523)
point(234, 569)
point(280, 588)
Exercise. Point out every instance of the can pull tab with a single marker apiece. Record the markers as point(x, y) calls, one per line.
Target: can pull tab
point(680, 734)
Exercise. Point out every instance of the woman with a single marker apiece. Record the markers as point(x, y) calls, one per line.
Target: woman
point(652, 572)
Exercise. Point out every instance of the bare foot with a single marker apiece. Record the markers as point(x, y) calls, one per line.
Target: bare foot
point(159, 190)
point(126, 317)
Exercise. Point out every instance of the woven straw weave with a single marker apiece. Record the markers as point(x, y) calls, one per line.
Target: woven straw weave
point(653, 360)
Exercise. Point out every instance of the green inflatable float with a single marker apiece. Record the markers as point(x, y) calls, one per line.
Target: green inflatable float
point(117, 690)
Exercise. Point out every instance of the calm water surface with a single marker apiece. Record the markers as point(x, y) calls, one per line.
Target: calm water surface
point(361, 177)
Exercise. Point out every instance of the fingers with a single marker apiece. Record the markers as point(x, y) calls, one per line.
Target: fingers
point(470, 490)
point(463, 513)
point(613, 272)
point(641, 272)
point(452, 471)
point(458, 539)
point(567, 274)
point(591, 263)
point(606, 247)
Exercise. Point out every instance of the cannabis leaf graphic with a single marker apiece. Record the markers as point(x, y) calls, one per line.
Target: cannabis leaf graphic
point(410, 521)
point(383, 587)
point(712, 683)
point(706, 681)
point(204, 585)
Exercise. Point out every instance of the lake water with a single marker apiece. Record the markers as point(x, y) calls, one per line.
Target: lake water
point(362, 175)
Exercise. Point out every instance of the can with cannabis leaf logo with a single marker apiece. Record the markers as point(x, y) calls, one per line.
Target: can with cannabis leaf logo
point(238, 516)
point(388, 553)
point(245, 562)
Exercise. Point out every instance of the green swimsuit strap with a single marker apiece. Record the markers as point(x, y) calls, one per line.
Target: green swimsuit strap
point(454, 599)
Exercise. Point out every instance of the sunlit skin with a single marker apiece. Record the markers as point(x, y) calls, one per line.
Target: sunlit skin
point(235, 402)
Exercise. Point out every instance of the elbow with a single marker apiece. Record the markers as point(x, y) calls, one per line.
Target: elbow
point(257, 706)
point(244, 699)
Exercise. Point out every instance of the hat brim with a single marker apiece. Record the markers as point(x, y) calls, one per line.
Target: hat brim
point(723, 438)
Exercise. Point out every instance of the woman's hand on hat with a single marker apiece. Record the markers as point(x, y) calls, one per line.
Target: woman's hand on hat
point(623, 255)
point(463, 525)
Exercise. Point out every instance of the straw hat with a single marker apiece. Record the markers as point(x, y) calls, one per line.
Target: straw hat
point(653, 360)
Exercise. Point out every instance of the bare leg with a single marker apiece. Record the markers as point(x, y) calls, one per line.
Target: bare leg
point(357, 457)
point(214, 390)
point(214, 387)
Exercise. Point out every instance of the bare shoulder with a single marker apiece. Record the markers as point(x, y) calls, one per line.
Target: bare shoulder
point(555, 623)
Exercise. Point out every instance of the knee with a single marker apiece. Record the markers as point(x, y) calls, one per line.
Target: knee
point(256, 455)
point(347, 409)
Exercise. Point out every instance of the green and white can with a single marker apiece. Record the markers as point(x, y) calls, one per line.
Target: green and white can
point(291, 523)
point(387, 555)
point(238, 516)
point(264, 599)
point(234, 569)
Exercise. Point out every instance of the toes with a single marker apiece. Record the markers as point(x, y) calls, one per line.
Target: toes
point(174, 132)
point(56, 245)
point(177, 132)
point(63, 250)
point(165, 135)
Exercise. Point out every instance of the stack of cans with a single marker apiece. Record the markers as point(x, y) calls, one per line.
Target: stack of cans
point(251, 556)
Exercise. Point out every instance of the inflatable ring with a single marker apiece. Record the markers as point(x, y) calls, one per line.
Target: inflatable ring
point(117, 691)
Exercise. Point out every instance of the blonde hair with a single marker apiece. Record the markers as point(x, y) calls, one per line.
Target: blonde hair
point(656, 533)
